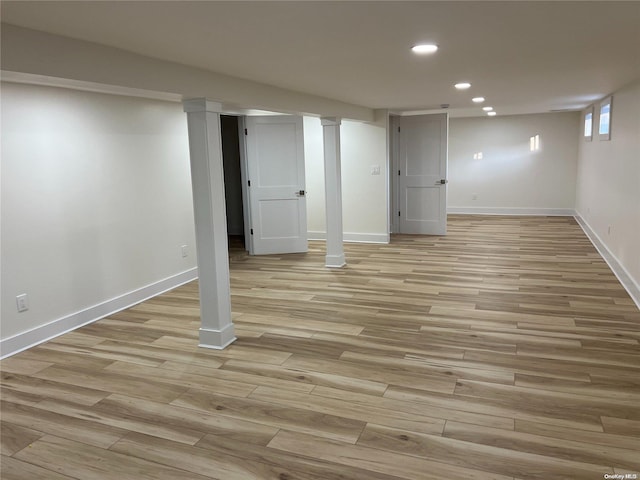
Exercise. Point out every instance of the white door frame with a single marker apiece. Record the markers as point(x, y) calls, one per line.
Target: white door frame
point(394, 153)
point(242, 129)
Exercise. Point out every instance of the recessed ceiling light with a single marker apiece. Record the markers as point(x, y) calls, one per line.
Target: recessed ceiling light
point(477, 99)
point(487, 109)
point(424, 48)
point(492, 114)
point(462, 85)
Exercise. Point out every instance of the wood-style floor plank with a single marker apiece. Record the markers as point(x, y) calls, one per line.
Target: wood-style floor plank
point(43, 388)
point(14, 469)
point(391, 463)
point(14, 438)
point(574, 451)
point(200, 460)
point(92, 463)
point(193, 420)
point(124, 422)
point(504, 350)
point(277, 415)
point(82, 430)
point(482, 452)
point(563, 433)
point(348, 408)
point(306, 467)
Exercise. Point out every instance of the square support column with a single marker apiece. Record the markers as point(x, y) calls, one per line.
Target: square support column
point(333, 192)
point(207, 180)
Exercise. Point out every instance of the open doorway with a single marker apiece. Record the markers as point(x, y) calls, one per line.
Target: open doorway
point(232, 180)
point(265, 194)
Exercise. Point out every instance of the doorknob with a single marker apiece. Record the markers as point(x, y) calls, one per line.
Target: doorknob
point(442, 182)
point(300, 193)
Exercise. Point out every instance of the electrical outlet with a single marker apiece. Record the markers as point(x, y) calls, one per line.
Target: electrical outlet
point(22, 302)
point(375, 169)
point(184, 249)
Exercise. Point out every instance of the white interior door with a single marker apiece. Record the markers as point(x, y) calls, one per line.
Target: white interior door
point(276, 184)
point(423, 174)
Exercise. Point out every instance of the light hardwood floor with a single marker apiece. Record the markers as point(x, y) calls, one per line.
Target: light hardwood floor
point(505, 350)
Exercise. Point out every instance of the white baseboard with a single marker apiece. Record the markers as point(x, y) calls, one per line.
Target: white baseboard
point(354, 237)
point(545, 212)
point(627, 281)
point(31, 338)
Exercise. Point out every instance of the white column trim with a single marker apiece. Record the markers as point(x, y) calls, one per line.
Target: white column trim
point(217, 339)
point(201, 105)
point(331, 121)
point(207, 179)
point(333, 192)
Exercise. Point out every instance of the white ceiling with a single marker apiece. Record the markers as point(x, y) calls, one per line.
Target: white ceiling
point(523, 56)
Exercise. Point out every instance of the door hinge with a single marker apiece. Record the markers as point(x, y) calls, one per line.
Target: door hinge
point(398, 172)
point(249, 183)
point(252, 231)
point(398, 213)
point(246, 132)
point(398, 129)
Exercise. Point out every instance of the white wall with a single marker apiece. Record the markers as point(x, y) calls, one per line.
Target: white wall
point(33, 52)
point(314, 173)
point(509, 178)
point(96, 203)
point(608, 186)
point(364, 196)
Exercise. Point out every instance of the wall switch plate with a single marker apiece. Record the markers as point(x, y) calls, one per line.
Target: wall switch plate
point(375, 169)
point(184, 249)
point(22, 302)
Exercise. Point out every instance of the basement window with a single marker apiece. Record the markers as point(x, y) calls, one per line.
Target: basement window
point(588, 125)
point(604, 127)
